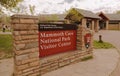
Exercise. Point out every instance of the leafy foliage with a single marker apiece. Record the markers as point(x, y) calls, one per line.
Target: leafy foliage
point(9, 3)
point(5, 19)
point(74, 15)
point(23, 9)
point(20, 9)
point(32, 9)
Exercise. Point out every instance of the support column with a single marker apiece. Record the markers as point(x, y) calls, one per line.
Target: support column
point(96, 25)
point(107, 23)
point(93, 24)
point(80, 35)
point(80, 38)
point(84, 22)
point(119, 26)
point(26, 51)
point(81, 32)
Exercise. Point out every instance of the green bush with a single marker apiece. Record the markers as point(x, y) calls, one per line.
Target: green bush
point(104, 45)
point(86, 58)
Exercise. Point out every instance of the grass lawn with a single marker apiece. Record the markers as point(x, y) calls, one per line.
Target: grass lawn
point(104, 45)
point(6, 46)
point(6, 30)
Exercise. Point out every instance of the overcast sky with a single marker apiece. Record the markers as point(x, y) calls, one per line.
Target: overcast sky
point(59, 6)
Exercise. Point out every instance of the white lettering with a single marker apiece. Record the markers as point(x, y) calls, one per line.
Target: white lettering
point(49, 46)
point(67, 33)
point(41, 47)
point(58, 34)
point(50, 40)
point(65, 38)
point(64, 44)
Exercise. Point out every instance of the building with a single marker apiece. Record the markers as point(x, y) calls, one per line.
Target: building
point(54, 18)
point(77, 16)
point(109, 21)
point(83, 17)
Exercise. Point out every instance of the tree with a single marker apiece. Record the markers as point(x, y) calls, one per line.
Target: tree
point(73, 15)
point(32, 9)
point(5, 19)
point(20, 9)
point(9, 3)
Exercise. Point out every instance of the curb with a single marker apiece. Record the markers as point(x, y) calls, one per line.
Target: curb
point(117, 62)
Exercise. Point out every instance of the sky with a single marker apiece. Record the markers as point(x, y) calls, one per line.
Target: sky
point(59, 6)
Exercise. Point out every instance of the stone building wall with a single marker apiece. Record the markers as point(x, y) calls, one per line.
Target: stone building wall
point(26, 50)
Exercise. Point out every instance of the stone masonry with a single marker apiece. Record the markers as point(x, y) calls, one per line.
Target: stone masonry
point(26, 50)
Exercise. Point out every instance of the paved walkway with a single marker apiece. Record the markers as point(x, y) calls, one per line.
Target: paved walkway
point(114, 38)
point(103, 63)
point(6, 67)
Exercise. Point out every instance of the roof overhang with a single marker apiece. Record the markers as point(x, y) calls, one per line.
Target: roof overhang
point(103, 16)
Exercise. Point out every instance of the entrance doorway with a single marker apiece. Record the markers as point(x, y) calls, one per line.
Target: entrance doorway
point(102, 25)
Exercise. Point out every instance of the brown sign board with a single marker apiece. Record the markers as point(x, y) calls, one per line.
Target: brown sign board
point(56, 38)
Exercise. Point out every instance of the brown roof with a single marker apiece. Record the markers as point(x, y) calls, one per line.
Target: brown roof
point(102, 16)
point(87, 14)
point(52, 17)
point(113, 16)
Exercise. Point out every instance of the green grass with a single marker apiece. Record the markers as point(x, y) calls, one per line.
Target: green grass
point(104, 45)
point(86, 58)
point(6, 30)
point(5, 46)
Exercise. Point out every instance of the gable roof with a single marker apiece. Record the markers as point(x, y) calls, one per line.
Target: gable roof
point(113, 16)
point(87, 14)
point(103, 16)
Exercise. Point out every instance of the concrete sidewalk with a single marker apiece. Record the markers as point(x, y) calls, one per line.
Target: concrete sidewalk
point(6, 67)
point(103, 63)
point(5, 32)
point(112, 37)
point(116, 72)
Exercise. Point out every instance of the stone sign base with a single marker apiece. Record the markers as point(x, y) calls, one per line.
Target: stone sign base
point(51, 63)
